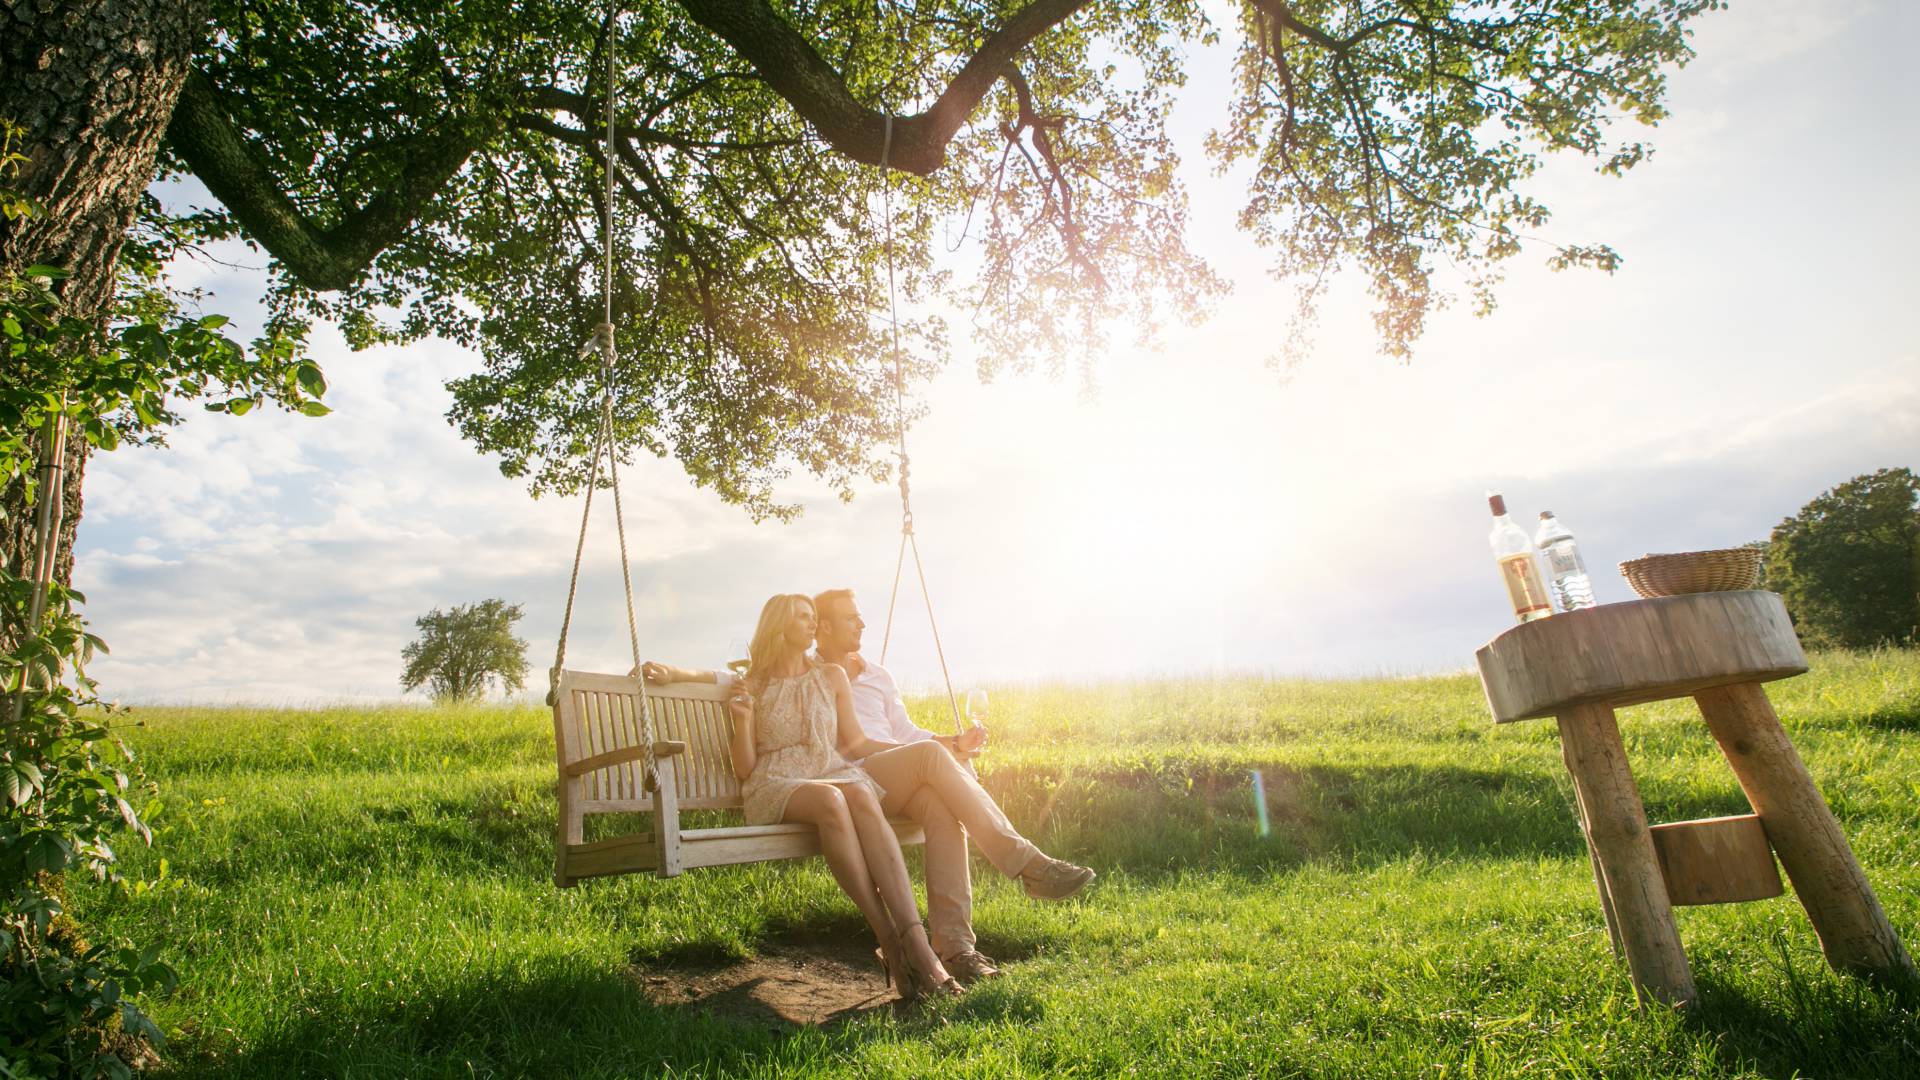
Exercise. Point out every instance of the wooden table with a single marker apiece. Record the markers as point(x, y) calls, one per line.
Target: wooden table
point(1580, 666)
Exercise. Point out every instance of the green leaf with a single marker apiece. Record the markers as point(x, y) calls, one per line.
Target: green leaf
point(42, 270)
point(46, 853)
point(20, 781)
point(239, 406)
point(213, 322)
point(311, 380)
point(313, 408)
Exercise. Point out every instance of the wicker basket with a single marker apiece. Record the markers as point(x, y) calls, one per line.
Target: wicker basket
point(1724, 570)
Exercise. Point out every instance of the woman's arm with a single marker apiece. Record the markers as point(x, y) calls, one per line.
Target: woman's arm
point(740, 706)
point(853, 740)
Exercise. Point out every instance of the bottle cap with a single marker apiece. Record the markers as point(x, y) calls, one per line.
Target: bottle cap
point(1498, 503)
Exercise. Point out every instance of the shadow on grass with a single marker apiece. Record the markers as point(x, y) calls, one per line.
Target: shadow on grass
point(1809, 1024)
point(593, 1024)
point(549, 1025)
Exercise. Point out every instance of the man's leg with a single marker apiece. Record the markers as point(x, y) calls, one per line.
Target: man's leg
point(949, 885)
point(904, 770)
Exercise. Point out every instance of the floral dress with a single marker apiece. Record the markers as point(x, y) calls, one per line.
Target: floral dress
point(794, 743)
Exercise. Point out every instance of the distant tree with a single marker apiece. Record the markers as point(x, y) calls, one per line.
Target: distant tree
point(1848, 563)
point(460, 650)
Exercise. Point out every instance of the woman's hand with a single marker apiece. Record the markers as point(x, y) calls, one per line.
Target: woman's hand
point(740, 704)
point(740, 709)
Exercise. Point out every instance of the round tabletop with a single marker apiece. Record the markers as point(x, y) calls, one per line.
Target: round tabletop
point(1639, 651)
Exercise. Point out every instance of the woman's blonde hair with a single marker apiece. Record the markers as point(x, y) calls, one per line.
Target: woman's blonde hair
point(770, 636)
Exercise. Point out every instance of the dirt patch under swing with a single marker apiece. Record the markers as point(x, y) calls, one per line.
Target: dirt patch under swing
point(820, 982)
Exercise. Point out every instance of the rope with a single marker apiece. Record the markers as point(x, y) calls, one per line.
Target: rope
point(602, 342)
point(907, 538)
point(579, 549)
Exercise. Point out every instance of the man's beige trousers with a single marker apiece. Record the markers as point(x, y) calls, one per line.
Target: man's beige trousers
point(923, 782)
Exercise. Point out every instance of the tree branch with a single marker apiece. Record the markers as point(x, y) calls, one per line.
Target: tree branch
point(797, 72)
point(237, 174)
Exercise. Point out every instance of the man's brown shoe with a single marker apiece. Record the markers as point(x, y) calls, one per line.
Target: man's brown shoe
point(971, 966)
point(1048, 878)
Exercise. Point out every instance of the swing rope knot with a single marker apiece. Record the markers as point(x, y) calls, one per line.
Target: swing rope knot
point(601, 342)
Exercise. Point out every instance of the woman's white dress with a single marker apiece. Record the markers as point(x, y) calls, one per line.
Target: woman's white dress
point(795, 743)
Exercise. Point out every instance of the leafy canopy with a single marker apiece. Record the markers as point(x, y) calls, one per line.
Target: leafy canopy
point(420, 167)
point(461, 650)
point(1848, 564)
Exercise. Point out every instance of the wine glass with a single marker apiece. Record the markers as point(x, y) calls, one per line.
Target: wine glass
point(977, 709)
point(976, 705)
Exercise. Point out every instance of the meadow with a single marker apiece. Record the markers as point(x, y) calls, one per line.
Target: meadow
point(366, 892)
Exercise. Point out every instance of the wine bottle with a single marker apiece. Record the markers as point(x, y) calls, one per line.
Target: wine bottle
point(1513, 551)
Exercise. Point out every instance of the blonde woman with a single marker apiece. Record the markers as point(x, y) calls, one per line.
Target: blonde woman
point(793, 731)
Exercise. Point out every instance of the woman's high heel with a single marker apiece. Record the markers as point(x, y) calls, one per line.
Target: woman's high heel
point(894, 968)
point(925, 983)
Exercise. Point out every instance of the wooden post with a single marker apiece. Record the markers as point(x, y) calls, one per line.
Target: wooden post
point(570, 829)
point(1617, 831)
point(666, 816)
point(1853, 928)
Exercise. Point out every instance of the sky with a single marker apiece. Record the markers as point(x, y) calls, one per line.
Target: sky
point(1196, 510)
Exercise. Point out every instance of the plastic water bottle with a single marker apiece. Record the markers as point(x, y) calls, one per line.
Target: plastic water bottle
point(1568, 572)
point(1519, 570)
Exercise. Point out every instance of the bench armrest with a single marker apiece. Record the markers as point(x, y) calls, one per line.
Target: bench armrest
point(623, 755)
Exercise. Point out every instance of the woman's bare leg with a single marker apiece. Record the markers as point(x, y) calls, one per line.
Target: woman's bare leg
point(887, 868)
point(823, 807)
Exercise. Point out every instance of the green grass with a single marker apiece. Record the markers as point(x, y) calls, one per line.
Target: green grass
point(365, 892)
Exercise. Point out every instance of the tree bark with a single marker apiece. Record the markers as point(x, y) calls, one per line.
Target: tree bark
point(93, 83)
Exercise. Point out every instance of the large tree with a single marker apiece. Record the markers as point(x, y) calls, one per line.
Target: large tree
point(420, 167)
point(1848, 564)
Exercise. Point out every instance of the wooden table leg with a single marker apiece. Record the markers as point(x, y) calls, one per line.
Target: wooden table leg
point(1853, 928)
point(1617, 830)
point(1593, 859)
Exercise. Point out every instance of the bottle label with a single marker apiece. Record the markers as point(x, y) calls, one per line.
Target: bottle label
point(1525, 590)
point(1564, 559)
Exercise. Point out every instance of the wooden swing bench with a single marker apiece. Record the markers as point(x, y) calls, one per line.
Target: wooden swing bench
point(600, 738)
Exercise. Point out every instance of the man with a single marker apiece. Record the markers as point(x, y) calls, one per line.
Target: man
point(917, 787)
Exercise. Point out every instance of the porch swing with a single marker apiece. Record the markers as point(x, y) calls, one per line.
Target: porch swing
point(624, 747)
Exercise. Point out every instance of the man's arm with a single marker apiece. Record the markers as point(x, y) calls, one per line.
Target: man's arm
point(660, 674)
point(904, 730)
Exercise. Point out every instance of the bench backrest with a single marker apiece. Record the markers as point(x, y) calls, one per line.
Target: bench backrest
point(596, 714)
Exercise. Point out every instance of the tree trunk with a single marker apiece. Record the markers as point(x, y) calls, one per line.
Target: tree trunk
point(93, 83)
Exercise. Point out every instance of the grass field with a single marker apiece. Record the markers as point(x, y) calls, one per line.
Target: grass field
point(366, 892)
